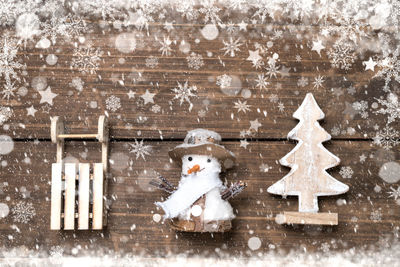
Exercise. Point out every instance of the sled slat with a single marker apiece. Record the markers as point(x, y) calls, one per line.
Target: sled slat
point(98, 196)
point(55, 219)
point(69, 207)
point(83, 212)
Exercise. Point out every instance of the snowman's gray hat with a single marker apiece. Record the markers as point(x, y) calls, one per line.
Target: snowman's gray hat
point(203, 142)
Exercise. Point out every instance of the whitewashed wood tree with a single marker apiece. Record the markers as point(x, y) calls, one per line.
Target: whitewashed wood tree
point(308, 161)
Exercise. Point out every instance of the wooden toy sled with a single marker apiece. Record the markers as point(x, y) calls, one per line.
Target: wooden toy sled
point(88, 180)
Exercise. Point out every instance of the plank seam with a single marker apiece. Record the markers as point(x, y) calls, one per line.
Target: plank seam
point(116, 140)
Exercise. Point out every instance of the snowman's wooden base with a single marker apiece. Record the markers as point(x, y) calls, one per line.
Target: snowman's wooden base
point(322, 218)
point(200, 227)
point(198, 224)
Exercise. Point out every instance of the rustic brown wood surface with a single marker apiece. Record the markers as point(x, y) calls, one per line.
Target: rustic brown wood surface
point(131, 227)
point(366, 214)
point(135, 118)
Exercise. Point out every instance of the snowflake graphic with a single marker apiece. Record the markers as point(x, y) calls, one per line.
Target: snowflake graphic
point(195, 61)
point(9, 11)
point(231, 47)
point(261, 82)
point(86, 59)
point(140, 149)
point(165, 46)
point(23, 212)
point(302, 82)
point(318, 81)
point(361, 107)
point(231, 27)
point(156, 108)
point(224, 81)
point(335, 131)
point(104, 8)
point(8, 90)
point(342, 55)
point(113, 103)
point(8, 65)
point(281, 107)
point(77, 83)
point(202, 113)
point(387, 138)
point(151, 62)
point(351, 90)
point(64, 26)
point(376, 216)
point(187, 10)
point(390, 68)
point(263, 10)
point(272, 69)
point(184, 93)
point(392, 109)
point(273, 98)
point(346, 172)
point(73, 26)
point(210, 11)
point(394, 193)
point(242, 106)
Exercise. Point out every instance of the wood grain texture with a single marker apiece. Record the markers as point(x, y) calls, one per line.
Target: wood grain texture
point(56, 196)
point(309, 161)
point(365, 213)
point(135, 118)
point(83, 197)
point(320, 218)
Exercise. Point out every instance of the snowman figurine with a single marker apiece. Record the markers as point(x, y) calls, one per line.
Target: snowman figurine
point(199, 203)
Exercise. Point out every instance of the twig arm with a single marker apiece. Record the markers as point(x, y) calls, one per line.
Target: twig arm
point(233, 190)
point(163, 184)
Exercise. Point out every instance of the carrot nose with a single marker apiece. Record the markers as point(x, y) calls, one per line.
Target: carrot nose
point(195, 168)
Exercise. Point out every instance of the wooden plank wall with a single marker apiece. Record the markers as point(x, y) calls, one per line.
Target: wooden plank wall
point(366, 214)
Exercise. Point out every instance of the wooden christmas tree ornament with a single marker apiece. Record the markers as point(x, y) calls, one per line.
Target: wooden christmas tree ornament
point(88, 179)
point(308, 161)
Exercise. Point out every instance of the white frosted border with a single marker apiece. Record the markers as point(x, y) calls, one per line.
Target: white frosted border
point(387, 255)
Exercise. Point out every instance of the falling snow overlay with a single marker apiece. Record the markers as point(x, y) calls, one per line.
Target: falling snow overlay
point(140, 149)
point(342, 56)
point(195, 61)
point(388, 138)
point(9, 66)
point(184, 92)
point(86, 60)
point(346, 172)
point(23, 212)
point(113, 103)
point(158, 68)
point(5, 114)
point(390, 107)
point(224, 80)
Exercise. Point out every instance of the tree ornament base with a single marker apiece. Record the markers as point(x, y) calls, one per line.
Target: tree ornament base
point(294, 217)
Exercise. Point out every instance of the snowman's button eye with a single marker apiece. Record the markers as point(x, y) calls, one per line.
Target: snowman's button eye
point(190, 158)
point(208, 160)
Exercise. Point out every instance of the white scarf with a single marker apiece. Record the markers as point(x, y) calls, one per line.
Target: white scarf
point(189, 190)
